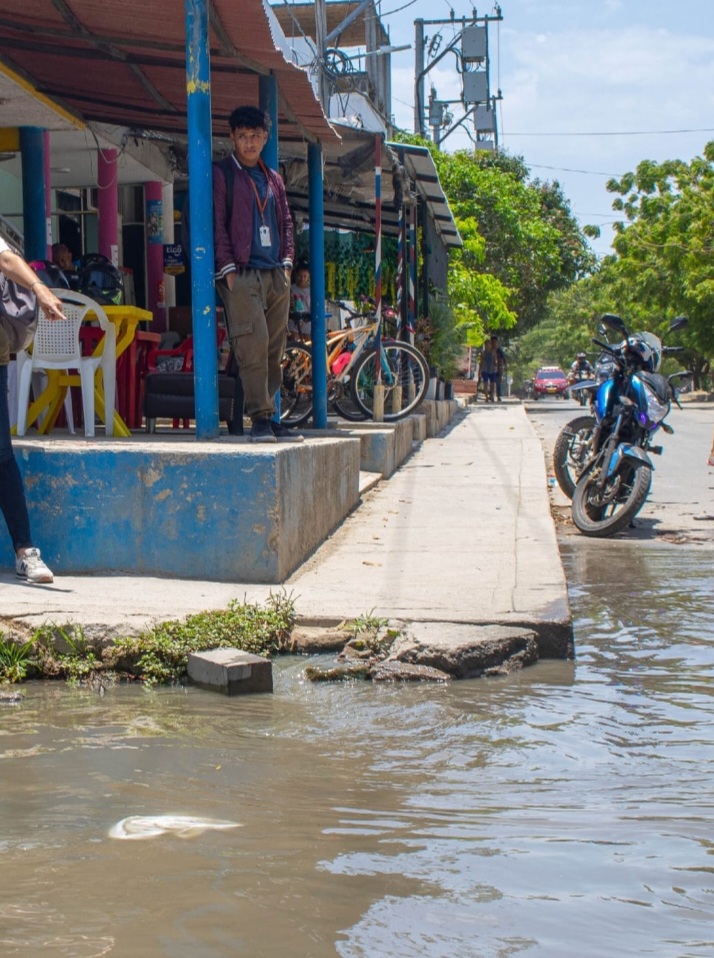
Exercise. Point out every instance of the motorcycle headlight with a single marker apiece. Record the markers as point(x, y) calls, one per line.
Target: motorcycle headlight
point(656, 409)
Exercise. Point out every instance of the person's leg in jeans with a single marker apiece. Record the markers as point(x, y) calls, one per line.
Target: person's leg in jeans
point(28, 561)
point(12, 492)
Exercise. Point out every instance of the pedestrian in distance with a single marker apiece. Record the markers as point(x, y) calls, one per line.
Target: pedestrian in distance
point(488, 370)
point(254, 250)
point(28, 560)
point(501, 366)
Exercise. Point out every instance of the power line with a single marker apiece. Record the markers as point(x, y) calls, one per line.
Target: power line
point(618, 133)
point(565, 169)
point(397, 10)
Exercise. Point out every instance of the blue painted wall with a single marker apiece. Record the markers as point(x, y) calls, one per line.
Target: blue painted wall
point(229, 512)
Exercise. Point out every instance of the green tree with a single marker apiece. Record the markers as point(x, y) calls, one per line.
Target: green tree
point(528, 239)
point(664, 263)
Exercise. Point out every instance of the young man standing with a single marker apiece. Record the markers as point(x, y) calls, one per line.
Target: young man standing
point(254, 258)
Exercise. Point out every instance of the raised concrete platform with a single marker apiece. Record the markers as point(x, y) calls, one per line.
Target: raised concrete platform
point(462, 534)
point(222, 511)
point(383, 445)
point(438, 413)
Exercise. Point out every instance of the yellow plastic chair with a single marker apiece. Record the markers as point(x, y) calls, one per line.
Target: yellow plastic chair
point(57, 346)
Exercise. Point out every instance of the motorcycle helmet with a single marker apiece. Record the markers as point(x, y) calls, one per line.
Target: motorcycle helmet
point(581, 356)
point(100, 279)
point(50, 274)
point(648, 350)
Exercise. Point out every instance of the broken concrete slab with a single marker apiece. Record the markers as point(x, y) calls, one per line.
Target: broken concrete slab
point(466, 651)
point(405, 672)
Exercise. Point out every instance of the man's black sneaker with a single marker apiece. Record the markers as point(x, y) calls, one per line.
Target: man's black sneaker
point(283, 434)
point(260, 431)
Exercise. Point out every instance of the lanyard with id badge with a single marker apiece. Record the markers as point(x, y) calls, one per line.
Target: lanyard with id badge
point(264, 229)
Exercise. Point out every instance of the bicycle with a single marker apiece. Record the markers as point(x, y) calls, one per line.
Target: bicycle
point(353, 373)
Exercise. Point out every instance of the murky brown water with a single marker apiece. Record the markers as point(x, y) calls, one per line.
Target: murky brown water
point(564, 812)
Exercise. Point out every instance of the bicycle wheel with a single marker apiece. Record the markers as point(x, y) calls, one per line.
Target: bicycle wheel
point(404, 376)
point(296, 388)
point(343, 403)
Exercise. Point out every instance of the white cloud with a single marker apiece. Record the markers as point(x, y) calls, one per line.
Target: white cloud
point(589, 68)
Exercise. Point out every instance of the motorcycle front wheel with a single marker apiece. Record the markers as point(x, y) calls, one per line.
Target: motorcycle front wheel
point(570, 451)
point(604, 512)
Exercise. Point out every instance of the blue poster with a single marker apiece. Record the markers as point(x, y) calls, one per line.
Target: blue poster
point(154, 221)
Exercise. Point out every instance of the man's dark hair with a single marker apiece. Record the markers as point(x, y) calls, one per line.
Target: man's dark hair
point(249, 118)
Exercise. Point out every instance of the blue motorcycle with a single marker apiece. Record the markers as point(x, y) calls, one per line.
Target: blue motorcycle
point(629, 407)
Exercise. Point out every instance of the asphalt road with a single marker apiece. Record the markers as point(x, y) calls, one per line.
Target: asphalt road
point(682, 486)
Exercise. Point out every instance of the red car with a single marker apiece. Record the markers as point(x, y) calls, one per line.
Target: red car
point(549, 381)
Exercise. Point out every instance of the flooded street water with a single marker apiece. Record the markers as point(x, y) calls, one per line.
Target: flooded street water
point(565, 811)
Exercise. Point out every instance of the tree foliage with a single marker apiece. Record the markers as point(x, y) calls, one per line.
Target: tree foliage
point(521, 242)
point(520, 233)
point(665, 243)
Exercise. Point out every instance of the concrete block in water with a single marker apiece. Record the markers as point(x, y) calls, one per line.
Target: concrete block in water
point(230, 671)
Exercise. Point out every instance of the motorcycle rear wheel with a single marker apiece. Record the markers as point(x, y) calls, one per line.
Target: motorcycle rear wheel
point(570, 450)
point(597, 513)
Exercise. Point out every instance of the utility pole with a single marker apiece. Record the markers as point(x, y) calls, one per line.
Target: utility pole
point(321, 44)
point(419, 74)
point(470, 47)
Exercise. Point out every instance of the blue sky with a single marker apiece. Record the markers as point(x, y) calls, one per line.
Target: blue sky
point(589, 88)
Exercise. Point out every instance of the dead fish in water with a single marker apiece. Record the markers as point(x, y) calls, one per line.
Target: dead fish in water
point(149, 826)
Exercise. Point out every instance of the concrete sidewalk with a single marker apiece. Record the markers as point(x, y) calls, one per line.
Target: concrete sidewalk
point(461, 533)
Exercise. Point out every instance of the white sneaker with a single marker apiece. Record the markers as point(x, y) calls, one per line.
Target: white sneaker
point(31, 567)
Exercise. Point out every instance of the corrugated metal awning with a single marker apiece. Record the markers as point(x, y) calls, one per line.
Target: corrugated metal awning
point(348, 194)
point(421, 169)
point(125, 63)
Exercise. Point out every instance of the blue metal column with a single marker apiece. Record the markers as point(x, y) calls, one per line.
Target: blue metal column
point(317, 285)
point(32, 148)
point(203, 294)
point(268, 96)
point(268, 101)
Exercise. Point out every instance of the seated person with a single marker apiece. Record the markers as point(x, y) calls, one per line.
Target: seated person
point(62, 258)
point(299, 320)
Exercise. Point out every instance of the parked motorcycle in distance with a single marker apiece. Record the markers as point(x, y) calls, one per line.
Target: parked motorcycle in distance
point(629, 408)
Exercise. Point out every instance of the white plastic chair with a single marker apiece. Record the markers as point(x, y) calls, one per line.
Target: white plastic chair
point(57, 345)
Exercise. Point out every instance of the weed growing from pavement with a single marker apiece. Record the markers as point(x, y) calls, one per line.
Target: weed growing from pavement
point(157, 656)
point(15, 659)
point(370, 633)
point(63, 652)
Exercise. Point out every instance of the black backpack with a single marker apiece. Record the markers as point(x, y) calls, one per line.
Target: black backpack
point(229, 171)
